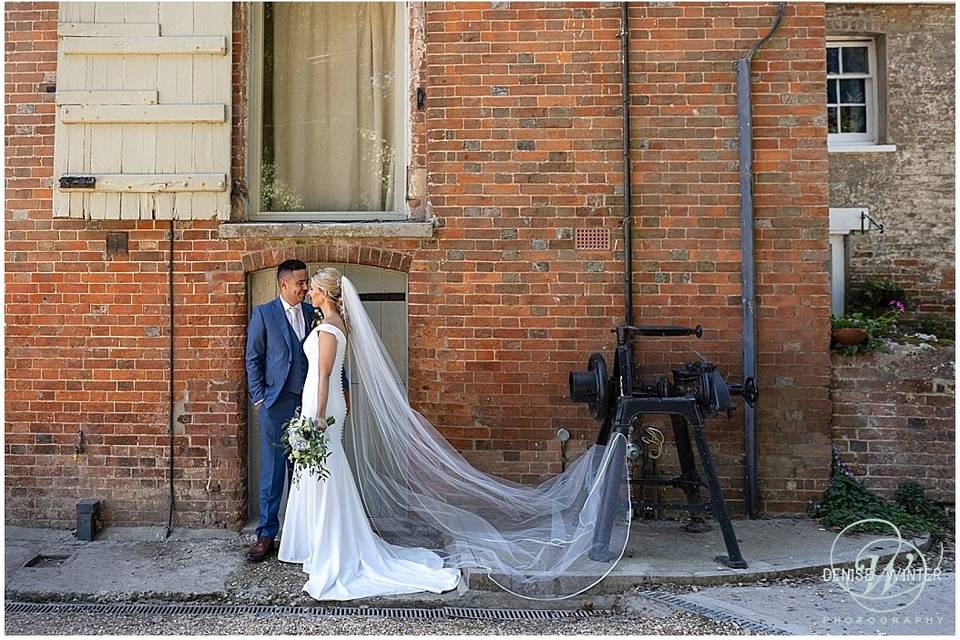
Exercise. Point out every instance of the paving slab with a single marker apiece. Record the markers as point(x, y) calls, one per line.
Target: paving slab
point(132, 562)
point(827, 609)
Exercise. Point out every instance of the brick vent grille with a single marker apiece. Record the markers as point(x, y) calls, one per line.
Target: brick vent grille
point(593, 239)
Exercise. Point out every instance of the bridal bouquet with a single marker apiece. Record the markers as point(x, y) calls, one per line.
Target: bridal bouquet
point(306, 444)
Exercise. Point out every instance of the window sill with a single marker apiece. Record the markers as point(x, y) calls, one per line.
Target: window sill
point(861, 147)
point(328, 229)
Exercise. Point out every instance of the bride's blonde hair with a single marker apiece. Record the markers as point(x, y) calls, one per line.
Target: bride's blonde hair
point(327, 279)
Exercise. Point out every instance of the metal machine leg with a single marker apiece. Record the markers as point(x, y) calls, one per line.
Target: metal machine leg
point(734, 559)
point(688, 472)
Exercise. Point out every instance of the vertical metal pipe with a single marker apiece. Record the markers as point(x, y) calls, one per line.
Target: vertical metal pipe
point(625, 95)
point(748, 293)
point(171, 389)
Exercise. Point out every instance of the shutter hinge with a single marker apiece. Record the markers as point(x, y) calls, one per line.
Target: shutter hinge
point(78, 182)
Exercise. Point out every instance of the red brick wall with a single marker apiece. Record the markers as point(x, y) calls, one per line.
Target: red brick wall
point(687, 202)
point(894, 419)
point(520, 141)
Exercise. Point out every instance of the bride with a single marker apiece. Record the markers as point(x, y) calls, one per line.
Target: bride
point(393, 480)
point(325, 527)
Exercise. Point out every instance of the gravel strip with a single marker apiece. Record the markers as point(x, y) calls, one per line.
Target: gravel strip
point(74, 623)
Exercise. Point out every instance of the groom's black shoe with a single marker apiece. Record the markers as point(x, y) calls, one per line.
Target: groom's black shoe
point(260, 550)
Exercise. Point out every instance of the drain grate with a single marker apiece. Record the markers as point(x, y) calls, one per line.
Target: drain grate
point(43, 561)
point(382, 612)
point(714, 614)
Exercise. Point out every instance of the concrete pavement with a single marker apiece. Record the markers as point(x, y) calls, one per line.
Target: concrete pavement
point(137, 565)
point(827, 609)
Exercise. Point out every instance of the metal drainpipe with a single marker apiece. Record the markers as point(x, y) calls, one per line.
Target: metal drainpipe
point(625, 95)
point(171, 363)
point(748, 295)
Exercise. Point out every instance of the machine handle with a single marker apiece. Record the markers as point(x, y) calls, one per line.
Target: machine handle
point(748, 390)
point(625, 331)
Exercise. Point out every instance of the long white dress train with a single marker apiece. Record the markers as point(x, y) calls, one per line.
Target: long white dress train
point(325, 526)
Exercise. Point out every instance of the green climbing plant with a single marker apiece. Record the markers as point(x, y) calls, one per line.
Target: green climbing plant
point(848, 500)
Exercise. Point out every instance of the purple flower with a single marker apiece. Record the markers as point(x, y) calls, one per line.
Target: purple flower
point(897, 305)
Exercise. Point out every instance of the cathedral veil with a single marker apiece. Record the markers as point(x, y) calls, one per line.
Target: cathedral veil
point(531, 540)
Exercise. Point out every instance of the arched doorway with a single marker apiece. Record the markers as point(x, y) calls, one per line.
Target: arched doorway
point(384, 296)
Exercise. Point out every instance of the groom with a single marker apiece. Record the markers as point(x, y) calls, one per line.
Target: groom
point(276, 371)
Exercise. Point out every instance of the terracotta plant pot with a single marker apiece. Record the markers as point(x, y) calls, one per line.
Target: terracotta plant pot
point(849, 336)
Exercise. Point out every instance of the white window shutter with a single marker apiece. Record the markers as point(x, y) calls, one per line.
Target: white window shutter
point(143, 110)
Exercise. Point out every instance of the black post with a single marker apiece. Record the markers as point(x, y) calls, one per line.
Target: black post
point(627, 193)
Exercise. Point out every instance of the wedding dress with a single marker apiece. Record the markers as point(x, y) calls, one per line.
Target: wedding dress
point(394, 470)
point(326, 528)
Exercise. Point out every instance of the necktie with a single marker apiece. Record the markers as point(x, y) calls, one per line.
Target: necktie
point(295, 321)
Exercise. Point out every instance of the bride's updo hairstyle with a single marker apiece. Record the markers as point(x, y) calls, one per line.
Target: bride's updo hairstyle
point(327, 279)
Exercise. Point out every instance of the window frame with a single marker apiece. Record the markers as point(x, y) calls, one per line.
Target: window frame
point(872, 135)
point(255, 125)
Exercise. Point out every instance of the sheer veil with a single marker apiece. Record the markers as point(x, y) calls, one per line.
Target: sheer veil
point(419, 491)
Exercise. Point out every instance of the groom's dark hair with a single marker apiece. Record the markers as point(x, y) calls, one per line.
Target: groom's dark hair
point(289, 266)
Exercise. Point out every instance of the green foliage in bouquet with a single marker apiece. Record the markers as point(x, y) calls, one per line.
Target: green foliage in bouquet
point(306, 445)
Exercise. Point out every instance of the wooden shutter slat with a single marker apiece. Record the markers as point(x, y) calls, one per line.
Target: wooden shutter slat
point(155, 183)
point(93, 29)
point(207, 141)
point(215, 45)
point(107, 97)
point(143, 114)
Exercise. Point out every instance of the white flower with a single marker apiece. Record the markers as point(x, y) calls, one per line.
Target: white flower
point(297, 442)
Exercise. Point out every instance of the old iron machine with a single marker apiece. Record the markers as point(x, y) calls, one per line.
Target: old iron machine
point(696, 391)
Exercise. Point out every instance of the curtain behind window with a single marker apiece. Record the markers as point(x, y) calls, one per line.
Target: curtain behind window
point(331, 131)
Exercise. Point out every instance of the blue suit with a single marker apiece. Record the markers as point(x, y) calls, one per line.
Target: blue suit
point(276, 371)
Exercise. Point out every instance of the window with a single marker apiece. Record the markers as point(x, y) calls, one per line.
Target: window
point(328, 111)
point(852, 91)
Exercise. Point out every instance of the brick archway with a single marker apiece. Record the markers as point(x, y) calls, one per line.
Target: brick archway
point(324, 252)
